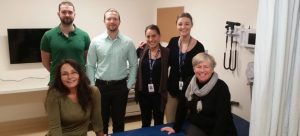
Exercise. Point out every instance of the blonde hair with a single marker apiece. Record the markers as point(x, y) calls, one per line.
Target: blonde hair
point(201, 57)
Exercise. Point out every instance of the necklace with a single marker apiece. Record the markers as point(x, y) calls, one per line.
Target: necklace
point(156, 55)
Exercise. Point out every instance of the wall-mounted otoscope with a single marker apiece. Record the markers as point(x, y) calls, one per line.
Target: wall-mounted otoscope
point(230, 31)
point(231, 25)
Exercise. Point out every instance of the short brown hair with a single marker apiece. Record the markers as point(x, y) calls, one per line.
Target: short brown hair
point(112, 10)
point(65, 2)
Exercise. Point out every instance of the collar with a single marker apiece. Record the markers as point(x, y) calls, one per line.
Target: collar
point(74, 32)
point(106, 35)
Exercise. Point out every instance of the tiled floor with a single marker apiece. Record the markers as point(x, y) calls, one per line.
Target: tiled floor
point(38, 127)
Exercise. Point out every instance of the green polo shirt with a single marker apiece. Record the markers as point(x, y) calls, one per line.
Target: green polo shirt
point(61, 47)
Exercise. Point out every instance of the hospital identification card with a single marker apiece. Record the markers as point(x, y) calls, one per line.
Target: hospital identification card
point(150, 88)
point(180, 84)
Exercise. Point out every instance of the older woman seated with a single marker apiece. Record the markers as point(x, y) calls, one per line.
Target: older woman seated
point(208, 100)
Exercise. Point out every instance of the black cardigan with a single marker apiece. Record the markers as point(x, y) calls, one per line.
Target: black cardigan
point(215, 118)
point(187, 68)
point(164, 74)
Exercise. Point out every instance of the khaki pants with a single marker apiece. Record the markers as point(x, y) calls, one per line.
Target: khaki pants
point(171, 107)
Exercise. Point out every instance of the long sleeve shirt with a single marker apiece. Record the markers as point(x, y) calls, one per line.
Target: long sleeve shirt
point(66, 118)
point(215, 118)
point(140, 83)
point(107, 59)
point(186, 67)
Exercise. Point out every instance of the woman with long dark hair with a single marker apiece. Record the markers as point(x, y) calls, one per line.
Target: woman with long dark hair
point(72, 104)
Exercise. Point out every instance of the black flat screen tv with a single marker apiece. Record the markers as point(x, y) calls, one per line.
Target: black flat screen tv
point(24, 44)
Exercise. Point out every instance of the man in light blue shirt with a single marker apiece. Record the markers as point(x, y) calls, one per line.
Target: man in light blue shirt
point(107, 68)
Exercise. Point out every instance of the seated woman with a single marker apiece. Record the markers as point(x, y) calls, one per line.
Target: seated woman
point(71, 104)
point(208, 100)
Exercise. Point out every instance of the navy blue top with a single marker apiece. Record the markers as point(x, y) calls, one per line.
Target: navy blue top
point(156, 72)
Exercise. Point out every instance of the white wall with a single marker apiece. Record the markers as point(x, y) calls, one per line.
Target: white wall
point(43, 14)
point(209, 18)
point(209, 21)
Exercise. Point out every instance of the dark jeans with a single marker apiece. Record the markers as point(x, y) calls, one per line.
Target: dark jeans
point(113, 101)
point(150, 105)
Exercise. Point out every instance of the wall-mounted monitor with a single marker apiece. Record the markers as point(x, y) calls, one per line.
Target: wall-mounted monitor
point(24, 44)
point(248, 38)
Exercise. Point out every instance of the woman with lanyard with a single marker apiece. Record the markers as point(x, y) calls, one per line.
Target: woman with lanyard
point(151, 85)
point(182, 49)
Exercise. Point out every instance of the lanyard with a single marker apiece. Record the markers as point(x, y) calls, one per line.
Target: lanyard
point(152, 62)
point(182, 56)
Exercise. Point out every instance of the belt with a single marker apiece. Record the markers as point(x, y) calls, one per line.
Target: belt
point(110, 82)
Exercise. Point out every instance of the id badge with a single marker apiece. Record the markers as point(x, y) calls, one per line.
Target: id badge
point(180, 84)
point(150, 88)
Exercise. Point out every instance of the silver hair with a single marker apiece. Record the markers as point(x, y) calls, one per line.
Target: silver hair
point(201, 57)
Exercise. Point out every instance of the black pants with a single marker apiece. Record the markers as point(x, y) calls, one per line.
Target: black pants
point(150, 105)
point(113, 101)
point(193, 130)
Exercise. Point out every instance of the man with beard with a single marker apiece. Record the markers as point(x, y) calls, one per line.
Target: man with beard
point(66, 41)
point(107, 68)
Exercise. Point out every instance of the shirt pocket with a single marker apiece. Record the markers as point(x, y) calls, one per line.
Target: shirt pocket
point(103, 52)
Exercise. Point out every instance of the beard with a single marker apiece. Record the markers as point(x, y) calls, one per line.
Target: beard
point(112, 28)
point(67, 21)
